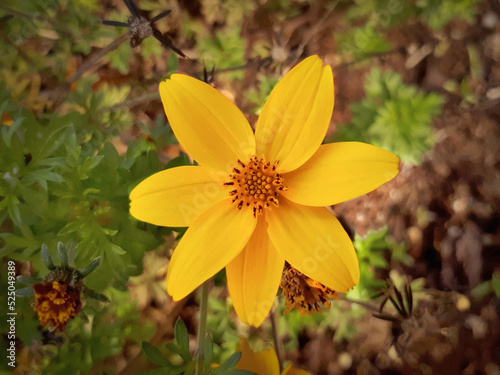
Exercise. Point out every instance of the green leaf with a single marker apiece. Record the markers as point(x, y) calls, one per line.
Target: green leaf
point(29, 280)
point(90, 267)
point(231, 361)
point(8, 131)
point(57, 138)
point(179, 161)
point(172, 64)
point(495, 284)
point(13, 208)
point(117, 249)
point(182, 338)
point(47, 259)
point(394, 116)
point(208, 349)
point(154, 355)
point(24, 292)
point(63, 254)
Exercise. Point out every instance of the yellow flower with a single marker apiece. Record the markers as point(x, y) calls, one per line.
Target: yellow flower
point(264, 362)
point(255, 201)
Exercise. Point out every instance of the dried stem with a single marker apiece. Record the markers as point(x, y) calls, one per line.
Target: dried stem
point(94, 59)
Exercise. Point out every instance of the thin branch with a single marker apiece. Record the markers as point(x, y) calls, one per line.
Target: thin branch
point(130, 103)
point(94, 59)
point(360, 303)
point(314, 31)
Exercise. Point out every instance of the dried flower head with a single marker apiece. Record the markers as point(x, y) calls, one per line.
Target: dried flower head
point(141, 28)
point(58, 296)
point(303, 293)
point(56, 303)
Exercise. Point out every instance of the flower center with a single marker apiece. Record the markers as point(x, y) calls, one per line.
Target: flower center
point(56, 303)
point(303, 293)
point(256, 184)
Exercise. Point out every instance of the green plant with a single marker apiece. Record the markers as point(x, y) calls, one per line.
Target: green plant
point(177, 359)
point(394, 116)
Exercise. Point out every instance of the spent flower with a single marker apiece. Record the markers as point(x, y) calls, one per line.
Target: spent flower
point(58, 295)
point(303, 293)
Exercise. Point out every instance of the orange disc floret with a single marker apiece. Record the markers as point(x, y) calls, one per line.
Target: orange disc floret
point(256, 184)
point(56, 303)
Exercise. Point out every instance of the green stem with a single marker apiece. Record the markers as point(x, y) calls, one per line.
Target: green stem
point(276, 338)
point(202, 329)
point(361, 303)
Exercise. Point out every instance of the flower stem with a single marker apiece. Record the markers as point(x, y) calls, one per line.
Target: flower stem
point(277, 341)
point(202, 329)
point(360, 303)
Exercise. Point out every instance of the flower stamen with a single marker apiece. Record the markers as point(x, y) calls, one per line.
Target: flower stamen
point(256, 184)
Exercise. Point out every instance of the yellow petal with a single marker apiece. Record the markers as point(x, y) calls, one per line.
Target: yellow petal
point(215, 238)
point(253, 277)
point(211, 128)
point(340, 171)
point(289, 370)
point(295, 118)
point(312, 240)
point(264, 362)
point(175, 197)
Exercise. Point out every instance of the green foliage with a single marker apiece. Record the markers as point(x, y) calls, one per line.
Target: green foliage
point(286, 8)
point(223, 329)
point(259, 95)
point(83, 345)
point(177, 359)
point(341, 317)
point(224, 50)
point(376, 251)
point(360, 42)
point(394, 116)
point(437, 13)
point(488, 287)
point(229, 12)
point(67, 28)
point(388, 13)
point(373, 19)
point(63, 181)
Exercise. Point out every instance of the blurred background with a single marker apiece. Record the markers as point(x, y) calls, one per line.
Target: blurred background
point(82, 124)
